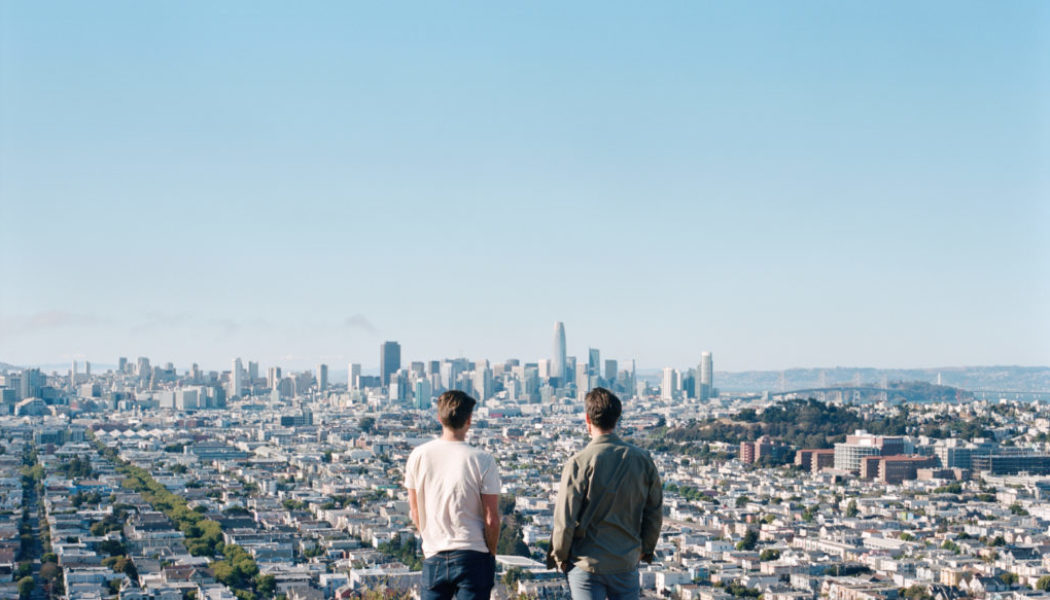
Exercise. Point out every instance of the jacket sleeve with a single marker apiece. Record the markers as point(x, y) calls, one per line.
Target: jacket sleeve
point(653, 514)
point(567, 512)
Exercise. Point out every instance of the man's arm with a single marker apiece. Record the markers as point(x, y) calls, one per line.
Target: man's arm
point(566, 515)
point(490, 504)
point(652, 515)
point(413, 509)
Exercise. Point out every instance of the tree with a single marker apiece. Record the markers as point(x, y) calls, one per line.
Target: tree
point(266, 585)
point(507, 503)
point(366, 424)
point(769, 554)
point(916, 592)
point(511, 540)
point(1018, 510)
point(851, 508)
point(514, 575)
point(1043, 583)
point(25, 587)
point(741, 501)
point(50, 572)
point(749, 540)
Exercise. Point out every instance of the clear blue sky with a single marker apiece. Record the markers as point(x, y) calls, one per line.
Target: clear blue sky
point(782, 183)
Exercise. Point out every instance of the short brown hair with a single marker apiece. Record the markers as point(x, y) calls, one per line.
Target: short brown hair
point(603, 407)
point(454, 408)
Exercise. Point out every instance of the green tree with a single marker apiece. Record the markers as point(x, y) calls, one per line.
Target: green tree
point(916, 592)
point(511, 540)
point(851, 508)
point(1043, 583)
point(51, 573)
point(769, 554)
point(366, 424)
point(265, 585)
point(507, 502)
point(1018, 510)
point(514, 575)
point(749, 540)
point(25, 587)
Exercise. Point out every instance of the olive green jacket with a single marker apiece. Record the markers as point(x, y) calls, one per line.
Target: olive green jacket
point(609, 508)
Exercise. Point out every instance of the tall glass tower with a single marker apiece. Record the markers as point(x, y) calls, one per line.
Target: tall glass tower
point(707, 372)
point(389, 360)
point(557, 368)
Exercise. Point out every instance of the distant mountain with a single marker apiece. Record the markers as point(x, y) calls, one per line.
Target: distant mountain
point(1001, 378)
point(8, 367)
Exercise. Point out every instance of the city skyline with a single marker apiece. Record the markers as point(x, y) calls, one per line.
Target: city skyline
point(788, 186)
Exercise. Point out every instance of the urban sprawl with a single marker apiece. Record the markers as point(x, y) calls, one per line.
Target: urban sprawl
point(146, 482)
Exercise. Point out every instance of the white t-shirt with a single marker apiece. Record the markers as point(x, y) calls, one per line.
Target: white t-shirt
point(449, 479)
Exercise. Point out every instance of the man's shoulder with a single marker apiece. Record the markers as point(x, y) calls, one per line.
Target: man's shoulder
point(425, 447)
point(612, 449)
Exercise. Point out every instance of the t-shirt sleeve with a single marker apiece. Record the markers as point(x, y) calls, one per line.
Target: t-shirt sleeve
point(490, 481)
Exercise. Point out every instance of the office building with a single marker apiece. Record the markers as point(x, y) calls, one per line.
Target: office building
point(389, 360)
point(30, 384)
point(669, 384)
point(423, 393)
point(594, 363)
point(611, 373)
point(353, 380)
point(322, 377)
point(236, 378)
point(1007, 462)
point(705, 386)
point(558, 360)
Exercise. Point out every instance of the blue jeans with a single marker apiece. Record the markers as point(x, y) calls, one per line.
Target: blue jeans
point(460, 574)
point(592, 586)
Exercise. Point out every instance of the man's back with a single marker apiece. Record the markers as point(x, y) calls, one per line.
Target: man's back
point(449, 479)
point(610, 511)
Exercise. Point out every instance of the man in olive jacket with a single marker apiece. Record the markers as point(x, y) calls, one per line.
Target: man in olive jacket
point(609, 509)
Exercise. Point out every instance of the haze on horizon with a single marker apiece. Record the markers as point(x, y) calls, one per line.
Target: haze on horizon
point(786, 185)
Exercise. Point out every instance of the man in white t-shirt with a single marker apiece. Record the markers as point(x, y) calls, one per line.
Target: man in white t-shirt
point(453, 495)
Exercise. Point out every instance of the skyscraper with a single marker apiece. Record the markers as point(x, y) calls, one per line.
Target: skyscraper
point(611, 371)
point(594, 362)
point(557, 366)
point(354, 377)
point(236, 378)
point(705, 386)
point(322, 377)
point(73, 374)
point(389, 360)
point(668, 384)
